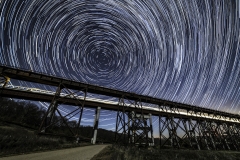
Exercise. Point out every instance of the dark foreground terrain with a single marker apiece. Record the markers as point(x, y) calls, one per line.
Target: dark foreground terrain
point(117, 153)
point(19, 140)
point(78, 153)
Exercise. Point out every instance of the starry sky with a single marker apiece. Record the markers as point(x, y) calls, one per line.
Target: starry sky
point(185, 51)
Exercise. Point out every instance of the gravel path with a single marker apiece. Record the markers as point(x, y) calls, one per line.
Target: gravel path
point(80, 153)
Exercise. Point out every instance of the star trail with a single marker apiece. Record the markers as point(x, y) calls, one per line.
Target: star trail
point(185, 51)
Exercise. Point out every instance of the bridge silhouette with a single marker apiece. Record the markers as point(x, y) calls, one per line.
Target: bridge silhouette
point(180, 125)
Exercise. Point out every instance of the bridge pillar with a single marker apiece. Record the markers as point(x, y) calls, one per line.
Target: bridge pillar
point(223, 136)
point(172, 130)
point(133, 127)
point(95, 127)
point(204, 137)
point(53, 106)
point(212, 135)
point(138, 129)
point(192, 133)
point(51, 110)
point(160, 130)
point(122, 124)
point(229, 128)
point(151, 128)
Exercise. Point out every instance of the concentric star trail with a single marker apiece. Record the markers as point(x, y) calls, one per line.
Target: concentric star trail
point(186, 51)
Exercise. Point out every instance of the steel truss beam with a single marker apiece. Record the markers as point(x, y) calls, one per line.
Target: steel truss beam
point(133, 127)
point(199, 134)
point(35, 77)
point(180, 125)
point(54, 118)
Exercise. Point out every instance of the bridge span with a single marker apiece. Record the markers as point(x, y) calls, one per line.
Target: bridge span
point(201, 128)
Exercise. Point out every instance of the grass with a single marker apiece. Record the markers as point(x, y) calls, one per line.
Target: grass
point(107, 154)
point(19, 140)
point(134, 153)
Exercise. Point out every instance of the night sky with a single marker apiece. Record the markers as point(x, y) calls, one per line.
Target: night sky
point(185, 51)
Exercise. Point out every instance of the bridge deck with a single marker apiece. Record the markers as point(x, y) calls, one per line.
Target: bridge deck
point(184, 109)
point(47, 96)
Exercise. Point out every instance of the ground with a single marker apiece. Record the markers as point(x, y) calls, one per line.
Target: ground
point(79, 153)
point(120, 153)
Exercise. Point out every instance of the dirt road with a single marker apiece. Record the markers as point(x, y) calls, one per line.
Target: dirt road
point(80, 153)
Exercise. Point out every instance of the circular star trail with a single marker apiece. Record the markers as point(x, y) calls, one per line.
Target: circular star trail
point(184, 51)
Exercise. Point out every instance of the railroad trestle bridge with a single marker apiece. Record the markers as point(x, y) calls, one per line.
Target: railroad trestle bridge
point(179, 125)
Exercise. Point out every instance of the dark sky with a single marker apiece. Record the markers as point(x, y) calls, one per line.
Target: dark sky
point(185, 51)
